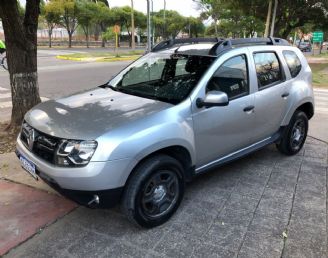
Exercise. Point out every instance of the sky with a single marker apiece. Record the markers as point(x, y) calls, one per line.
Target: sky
point(184, 7)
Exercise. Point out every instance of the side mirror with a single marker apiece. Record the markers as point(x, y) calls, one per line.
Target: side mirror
point(213, 99)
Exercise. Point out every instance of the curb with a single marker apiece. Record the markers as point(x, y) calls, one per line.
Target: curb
point(99, 59)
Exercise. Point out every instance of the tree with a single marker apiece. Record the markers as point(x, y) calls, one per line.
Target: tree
point(173, 24)
point(68, 17)
point(86, 14)
point(103, 18)
point(51, 13)
point(194, 27)
point(21, 40)
point(122, 17)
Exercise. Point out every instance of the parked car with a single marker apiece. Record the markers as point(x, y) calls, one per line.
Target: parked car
point(305, 46)
point(186, 107)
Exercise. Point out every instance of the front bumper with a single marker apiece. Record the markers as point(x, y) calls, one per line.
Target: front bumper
point(104, 179)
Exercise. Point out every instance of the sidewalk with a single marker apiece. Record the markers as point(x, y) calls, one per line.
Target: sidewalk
point(264, 205)
point(26, 205)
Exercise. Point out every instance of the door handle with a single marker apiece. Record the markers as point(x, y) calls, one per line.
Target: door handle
point(285, 95)
point(248, 109)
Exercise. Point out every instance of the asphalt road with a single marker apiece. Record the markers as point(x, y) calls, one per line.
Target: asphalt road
point(59, 78)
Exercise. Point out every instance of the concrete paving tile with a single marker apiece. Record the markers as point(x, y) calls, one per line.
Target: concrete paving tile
point(282, 182)
point(247, 252)
point(267, 226)
point(310, 203)
point(210, 251)
point(124, 250)
point(248, 189)
point(177, 244)
point(315, 151)
point(314, 168)
point(146, 238)
point(310, 217)
point(91, 245)
point(295, 249)
point(311, 235)
point(277, 194)
point(261, 245)
point(235, 217)
point(242, 202)
point(102, 221)
point(315, 161)
point(225, 235)
point(275, 208)
point(53, 241)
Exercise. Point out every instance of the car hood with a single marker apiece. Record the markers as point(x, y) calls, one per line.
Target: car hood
point(90, 114)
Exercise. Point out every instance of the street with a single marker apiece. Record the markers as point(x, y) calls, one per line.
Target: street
point(59, 78)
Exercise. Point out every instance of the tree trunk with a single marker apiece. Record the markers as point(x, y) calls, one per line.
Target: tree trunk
point(50, 33)
point(69, 39)
point(21, 42)
point(103, 41)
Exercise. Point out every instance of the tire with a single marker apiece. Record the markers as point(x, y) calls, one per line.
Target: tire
point(294, 135)
point(154, 191)
point(4, 63)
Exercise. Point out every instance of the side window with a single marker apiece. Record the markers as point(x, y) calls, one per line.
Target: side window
point(267, 68)
point(293, 62)
point(231, 77)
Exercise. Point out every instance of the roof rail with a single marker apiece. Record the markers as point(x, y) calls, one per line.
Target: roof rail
point(171, 42)
point(229, 43)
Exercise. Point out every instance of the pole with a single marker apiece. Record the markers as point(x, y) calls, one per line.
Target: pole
point(164, 18)
point(148, 27)
point(267, 24)
point(152, 27)
point(133, 43)
point(274, 17)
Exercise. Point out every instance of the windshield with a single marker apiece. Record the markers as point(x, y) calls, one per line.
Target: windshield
point(165, 77)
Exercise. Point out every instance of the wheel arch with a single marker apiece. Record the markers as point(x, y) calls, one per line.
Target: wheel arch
point(178, 152)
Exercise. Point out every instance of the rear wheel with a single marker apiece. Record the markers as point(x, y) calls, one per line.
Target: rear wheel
point(294, 135)
point(154, 191)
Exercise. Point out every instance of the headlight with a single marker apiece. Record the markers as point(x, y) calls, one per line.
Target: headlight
point(76, 153)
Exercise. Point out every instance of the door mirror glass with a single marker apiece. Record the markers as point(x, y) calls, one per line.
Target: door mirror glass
point(213, 99)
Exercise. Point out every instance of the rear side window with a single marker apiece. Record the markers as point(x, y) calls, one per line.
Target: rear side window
point(267, 69)
point(293, 62)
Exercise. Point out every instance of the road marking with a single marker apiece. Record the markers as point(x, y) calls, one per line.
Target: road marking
point(3, 89)
point(5, 95)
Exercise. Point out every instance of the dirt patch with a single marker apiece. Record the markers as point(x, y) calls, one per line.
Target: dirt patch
point(7, 138)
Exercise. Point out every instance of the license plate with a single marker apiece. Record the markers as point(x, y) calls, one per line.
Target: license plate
point(28, 166)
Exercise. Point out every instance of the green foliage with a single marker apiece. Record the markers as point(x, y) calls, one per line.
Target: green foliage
point(108, 34)
point(173, 24)
point(122, 17)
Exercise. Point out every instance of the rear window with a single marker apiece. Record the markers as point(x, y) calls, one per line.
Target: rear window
point(293, 62)
point(267, 69)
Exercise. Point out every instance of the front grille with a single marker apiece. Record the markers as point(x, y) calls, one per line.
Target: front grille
point(41, 144)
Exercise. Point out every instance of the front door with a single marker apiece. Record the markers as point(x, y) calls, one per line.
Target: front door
point(220, 131)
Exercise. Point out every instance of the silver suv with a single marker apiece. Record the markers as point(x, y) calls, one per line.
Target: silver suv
point(187, 106)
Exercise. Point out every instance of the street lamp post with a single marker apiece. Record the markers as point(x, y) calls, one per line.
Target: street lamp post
point(164, 18)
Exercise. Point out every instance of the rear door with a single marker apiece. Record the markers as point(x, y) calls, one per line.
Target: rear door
point(271, 99)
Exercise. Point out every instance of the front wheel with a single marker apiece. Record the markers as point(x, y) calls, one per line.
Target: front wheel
point(294, 135)
point(154, 191)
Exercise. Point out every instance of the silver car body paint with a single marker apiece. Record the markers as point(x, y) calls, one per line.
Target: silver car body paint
point(129, 128)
